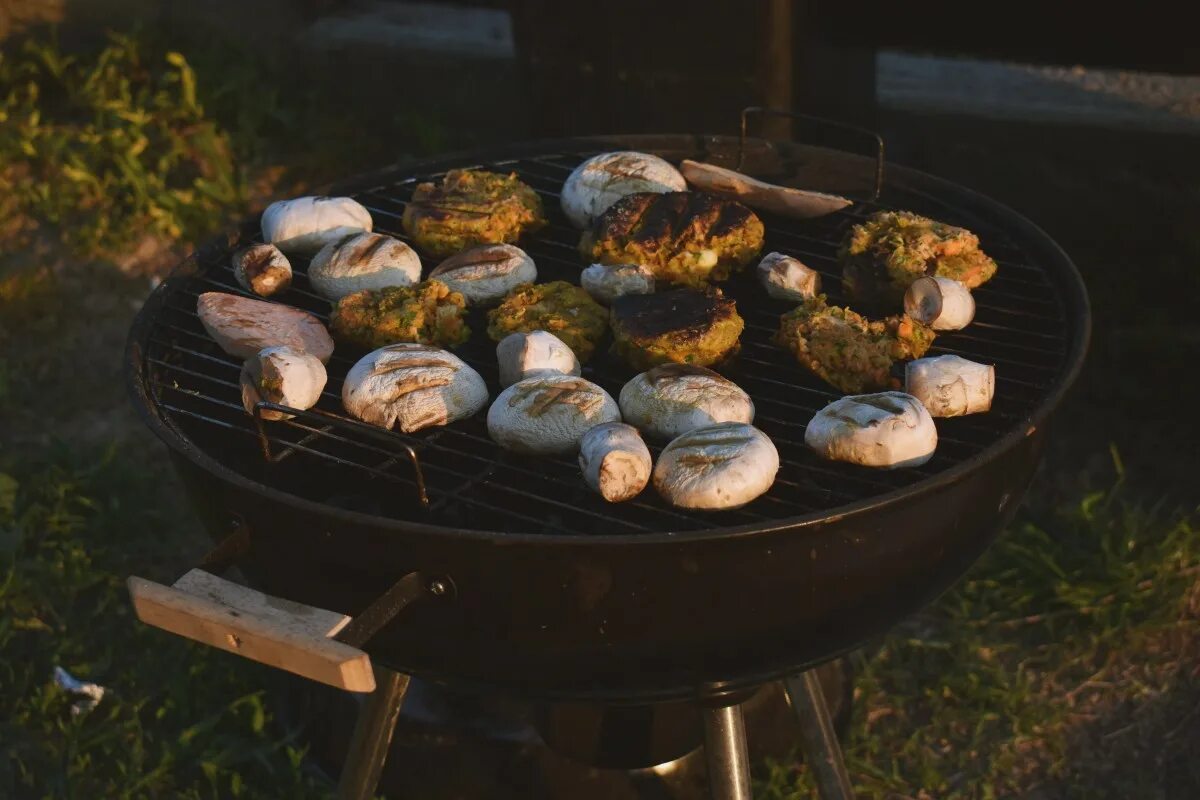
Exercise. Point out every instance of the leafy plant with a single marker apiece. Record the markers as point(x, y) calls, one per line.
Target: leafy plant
point(107, 148)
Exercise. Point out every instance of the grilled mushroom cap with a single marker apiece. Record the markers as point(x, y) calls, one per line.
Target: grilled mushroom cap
point(242, 326)
point(282, 375)
point(306, 224)
point(675, 398)
point(716, 467)
point(889, 429)
point(607, 282)
point(485, 274)
point(412, 386)
point(615, 461)
point(361, 261)
point(787, 278)
point(950, 386)
point(549, 414)
point(524, 355)
point(262, 269)
point(602, 180)
point(941, 303)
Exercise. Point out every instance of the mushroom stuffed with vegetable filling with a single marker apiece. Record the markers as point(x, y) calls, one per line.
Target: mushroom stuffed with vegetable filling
point(284, 376)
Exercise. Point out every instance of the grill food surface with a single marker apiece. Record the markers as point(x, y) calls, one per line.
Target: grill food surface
point(324, 456)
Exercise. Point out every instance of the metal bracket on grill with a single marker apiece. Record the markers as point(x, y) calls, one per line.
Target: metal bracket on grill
point(879, 160)
point(332, 420)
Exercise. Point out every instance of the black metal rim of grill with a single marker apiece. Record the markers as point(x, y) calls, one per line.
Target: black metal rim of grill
point(1059, 271)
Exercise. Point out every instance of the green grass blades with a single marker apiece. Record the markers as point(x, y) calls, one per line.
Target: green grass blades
point(107, 148)
point(1064, 664)
point(178, 720)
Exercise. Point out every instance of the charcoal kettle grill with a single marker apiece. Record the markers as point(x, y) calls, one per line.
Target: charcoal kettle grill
point(439, 555)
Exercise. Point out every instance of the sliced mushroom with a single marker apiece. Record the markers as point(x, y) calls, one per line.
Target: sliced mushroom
point(412, 386)
point(943, 304)
point(361, 261)
point(262, 269)
point(242, 326)
point(284, 376)
point(950, 386)
point(716, 467)
point(675, 398)
point(615, 461)
point(798, 203)
point(788, 278)
point(524, 355)
point(549, 414)
point(604, 179)
point(304, 225)
point(485, 274)
point(607, 282)
point(888, 429)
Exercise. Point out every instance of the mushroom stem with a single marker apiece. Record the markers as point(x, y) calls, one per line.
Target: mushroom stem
point(941, 303)
point(950, 386)
point(615, 461)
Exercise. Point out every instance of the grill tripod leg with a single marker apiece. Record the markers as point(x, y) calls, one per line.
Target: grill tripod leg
point(817, 736)
point(725, 749)
point(372, 736)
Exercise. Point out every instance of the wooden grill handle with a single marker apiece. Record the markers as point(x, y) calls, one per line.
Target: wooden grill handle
point(273, 631)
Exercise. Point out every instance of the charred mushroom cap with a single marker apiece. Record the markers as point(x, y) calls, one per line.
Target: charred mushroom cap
point(671, 399)
point(485, 274)
point(600, 181)
point(412, 386)
point(361, 261)
point(549, 414)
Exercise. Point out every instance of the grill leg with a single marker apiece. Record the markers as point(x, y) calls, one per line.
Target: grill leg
point(725, 748)
point(817, 736)
point(372, 736)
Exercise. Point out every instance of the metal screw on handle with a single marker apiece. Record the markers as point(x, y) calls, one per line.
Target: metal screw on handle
point(762, 110)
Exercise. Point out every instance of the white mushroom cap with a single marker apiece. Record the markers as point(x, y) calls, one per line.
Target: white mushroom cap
point(888, 429)
point(524, 355)
point(412, 386)
point(549, 414)
point(675, 398)
point(607, 282)
point(941, 303)
point(363, 260)
point(717, 467)
point(615, 461)
point(242, 325)
point(604, 179)
point(262, 269)
point(304, 225)
point(950, 386)
point(787, 277)
point(284, 376)
point(485, 274)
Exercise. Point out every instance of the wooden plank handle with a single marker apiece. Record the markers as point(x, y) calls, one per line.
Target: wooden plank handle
point(270, 630)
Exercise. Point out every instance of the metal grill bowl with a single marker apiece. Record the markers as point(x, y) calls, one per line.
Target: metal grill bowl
point(557, 592)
